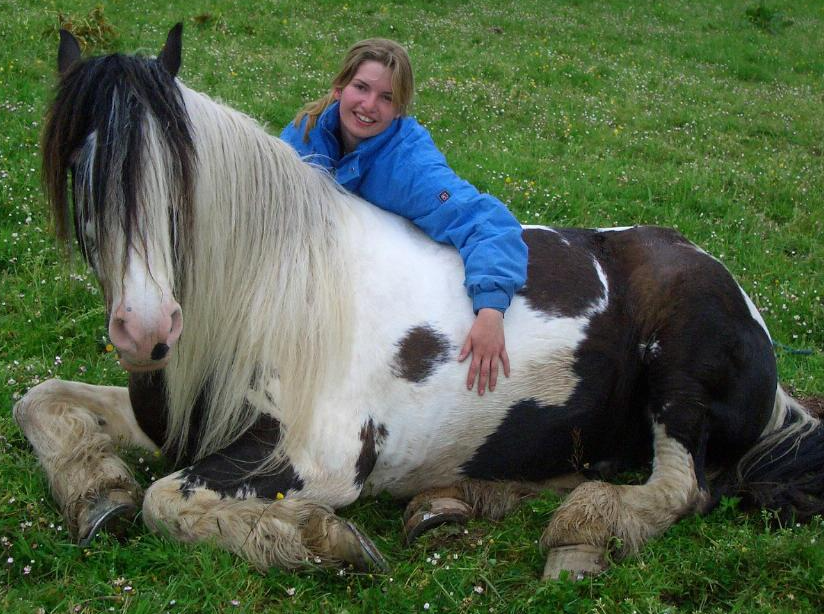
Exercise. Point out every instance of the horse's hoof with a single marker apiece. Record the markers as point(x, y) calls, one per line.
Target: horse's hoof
point(115, 512)
point(366, 555)
point(340, 540)
point(430, 513)
point(579, 561)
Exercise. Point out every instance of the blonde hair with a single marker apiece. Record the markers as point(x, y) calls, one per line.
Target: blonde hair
point(387, 52)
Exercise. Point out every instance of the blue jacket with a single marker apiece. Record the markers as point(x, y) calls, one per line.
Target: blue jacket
point(401, 170)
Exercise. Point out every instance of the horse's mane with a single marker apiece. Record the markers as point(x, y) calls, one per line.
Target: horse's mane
point(266, 282)
point(261, 277)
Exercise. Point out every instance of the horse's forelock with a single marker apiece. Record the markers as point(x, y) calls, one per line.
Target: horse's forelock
point(112, 96)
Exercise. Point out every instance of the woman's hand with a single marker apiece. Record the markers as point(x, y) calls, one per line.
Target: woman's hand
point(486, 344)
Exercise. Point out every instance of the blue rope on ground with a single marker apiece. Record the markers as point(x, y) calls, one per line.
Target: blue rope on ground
point(790, 350)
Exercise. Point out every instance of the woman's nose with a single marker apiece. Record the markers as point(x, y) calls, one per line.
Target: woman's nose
point(370, 102)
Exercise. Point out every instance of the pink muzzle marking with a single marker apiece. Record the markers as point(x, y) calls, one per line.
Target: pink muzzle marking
point(143, 340)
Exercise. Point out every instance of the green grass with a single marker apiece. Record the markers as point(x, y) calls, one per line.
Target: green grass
point(701, 115)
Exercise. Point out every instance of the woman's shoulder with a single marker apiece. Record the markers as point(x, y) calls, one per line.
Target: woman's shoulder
point(414, 143)
point(412, 128)
point(318, 139)
point(292, 130)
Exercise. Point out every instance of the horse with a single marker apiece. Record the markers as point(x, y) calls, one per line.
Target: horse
point(319, 359)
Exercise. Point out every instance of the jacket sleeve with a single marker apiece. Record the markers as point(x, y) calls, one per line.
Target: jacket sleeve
point(451, 210)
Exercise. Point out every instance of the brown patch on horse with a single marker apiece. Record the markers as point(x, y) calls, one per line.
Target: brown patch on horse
point(562, 280)
point(372, 438)
point(663, 278)
point(419, 352)
point(658, 268)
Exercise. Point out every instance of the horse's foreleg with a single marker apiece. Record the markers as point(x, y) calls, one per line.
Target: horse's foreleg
point(285, 533)
point(73, 428)
point(256, 514)
point(587, 522)
point(266, 533)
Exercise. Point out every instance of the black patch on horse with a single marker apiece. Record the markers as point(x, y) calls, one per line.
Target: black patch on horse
point(562, 280)
point(708, 364)
point(229, 472)
point(604, 422)
point(536, 442)
point(147, 394)
point(372, 438)
point(420, 352)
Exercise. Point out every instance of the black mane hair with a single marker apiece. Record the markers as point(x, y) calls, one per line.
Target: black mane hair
point(112, 96)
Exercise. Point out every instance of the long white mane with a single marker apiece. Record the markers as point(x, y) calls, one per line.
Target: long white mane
point(265, 301)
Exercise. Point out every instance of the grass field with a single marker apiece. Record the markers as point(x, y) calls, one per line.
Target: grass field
point(696, 114)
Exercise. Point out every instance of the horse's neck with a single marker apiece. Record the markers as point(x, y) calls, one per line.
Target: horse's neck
point(265, 294)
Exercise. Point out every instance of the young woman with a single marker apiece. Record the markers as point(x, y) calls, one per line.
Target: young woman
point(360, 132)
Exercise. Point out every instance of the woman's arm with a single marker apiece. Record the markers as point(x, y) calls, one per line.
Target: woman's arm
point(423, 188)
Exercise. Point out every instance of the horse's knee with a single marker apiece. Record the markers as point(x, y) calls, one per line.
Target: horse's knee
point(35, 402)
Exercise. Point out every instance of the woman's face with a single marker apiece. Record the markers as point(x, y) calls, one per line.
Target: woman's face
point(366, 106)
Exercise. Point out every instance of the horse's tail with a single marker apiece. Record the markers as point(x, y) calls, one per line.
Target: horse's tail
point(784, 470)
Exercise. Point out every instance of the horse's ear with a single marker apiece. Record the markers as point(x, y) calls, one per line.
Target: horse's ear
point(68, 53)
point(172, 50)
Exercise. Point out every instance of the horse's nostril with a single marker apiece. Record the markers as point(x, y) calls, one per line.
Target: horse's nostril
point(159, 351)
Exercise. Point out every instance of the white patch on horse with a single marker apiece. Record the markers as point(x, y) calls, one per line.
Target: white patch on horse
point(245, 492)
point(601, 304)
point(754, 313)
point(412, 458)
point(616, 229)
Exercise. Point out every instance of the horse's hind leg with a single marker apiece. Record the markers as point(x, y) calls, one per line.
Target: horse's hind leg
point(595, 513)
point(73, 428)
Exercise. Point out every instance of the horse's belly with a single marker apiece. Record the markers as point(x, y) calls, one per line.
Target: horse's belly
point(415, 458)
point(438, 432)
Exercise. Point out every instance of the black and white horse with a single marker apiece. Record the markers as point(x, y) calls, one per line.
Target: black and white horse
point(318, 361)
